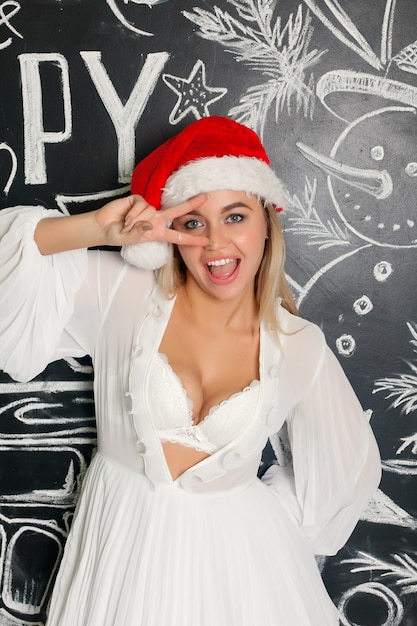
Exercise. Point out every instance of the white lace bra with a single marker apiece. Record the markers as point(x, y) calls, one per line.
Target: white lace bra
point(172, 411)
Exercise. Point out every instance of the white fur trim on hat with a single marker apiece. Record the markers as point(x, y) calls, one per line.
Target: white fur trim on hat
point(148, 255)
point(223, 173)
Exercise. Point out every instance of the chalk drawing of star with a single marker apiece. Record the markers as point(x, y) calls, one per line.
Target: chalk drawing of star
point(194, 96)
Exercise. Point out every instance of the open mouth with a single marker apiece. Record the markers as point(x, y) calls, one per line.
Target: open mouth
point(222, 269)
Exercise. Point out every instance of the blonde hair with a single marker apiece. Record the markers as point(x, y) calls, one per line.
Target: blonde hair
point(270, 280)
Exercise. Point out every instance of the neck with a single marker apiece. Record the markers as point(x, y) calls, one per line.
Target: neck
point(240, 313)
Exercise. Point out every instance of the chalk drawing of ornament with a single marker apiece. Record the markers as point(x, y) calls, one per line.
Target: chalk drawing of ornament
point(372, 176)
point(194, 95)
point(280, 52)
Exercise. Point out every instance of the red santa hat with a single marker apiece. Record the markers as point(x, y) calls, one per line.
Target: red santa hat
point(211, 154)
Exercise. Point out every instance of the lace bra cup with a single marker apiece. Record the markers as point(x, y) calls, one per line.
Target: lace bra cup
point(173, 411)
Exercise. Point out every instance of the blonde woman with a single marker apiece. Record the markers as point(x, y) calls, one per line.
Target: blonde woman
point(199, 357)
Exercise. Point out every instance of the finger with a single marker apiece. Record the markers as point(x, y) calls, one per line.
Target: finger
point(143, 226)
point(142, 208)
point(185, 239)
point(185, 207)
point(143, 213)
point(128, 203)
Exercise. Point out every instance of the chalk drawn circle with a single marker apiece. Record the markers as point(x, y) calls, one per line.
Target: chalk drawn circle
point(380, 208)
point(411, 169)
point(363, 306)
point(346, 345)
point(377, 153)
point(394, 606)
point(382, 271)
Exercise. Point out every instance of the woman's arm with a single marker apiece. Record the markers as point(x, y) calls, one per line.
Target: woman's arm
point(58, 234)
point(121, 222)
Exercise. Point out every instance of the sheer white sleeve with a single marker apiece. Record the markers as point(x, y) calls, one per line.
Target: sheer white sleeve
point(335, 460)
point(36, 294)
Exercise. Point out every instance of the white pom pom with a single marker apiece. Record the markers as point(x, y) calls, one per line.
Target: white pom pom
point(148, 255)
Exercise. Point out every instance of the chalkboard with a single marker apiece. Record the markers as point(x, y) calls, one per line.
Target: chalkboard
point(89, 87)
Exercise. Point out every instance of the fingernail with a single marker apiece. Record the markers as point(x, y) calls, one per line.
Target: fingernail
point(147, 227)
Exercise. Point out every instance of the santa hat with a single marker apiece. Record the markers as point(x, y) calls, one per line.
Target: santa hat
point(211, 154)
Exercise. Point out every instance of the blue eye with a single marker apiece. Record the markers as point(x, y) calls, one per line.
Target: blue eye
point(235, 218)
point(193, 224)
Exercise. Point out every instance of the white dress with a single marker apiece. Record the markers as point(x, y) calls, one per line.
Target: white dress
point(217, 546)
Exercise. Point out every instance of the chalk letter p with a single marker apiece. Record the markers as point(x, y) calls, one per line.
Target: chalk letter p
point(35, 135)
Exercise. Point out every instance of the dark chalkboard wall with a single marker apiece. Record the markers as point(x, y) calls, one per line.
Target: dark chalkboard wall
point(88, 87)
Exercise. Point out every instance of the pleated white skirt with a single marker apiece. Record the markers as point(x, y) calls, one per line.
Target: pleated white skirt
point(139, 556)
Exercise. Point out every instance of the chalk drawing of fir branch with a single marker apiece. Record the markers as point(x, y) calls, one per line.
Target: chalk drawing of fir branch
point(404, 386)
point(403, 570)
point(303, 219)
point(280, 52)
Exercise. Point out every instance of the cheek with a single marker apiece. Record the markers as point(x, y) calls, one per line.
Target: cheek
point(254, 242)
point(189, 255)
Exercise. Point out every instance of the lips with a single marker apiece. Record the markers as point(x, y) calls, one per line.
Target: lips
point(222, 269)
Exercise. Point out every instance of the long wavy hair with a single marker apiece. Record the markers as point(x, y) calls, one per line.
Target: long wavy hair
point(270, 280)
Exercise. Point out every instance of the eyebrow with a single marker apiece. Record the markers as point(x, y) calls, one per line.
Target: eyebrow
point(228, 207)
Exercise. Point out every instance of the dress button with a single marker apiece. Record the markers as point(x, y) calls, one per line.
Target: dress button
point(157, 312)
point(192, 483)
point(138, 350)
point(274, 371)
point(141, 447)
point(185, 482)
point(272, 415)
point(231, 460)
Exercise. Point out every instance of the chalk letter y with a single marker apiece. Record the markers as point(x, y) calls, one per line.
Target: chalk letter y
point(125, 117)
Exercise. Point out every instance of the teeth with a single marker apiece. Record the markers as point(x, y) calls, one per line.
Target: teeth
point(220, 262)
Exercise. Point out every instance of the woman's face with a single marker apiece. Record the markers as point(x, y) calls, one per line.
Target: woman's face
point(235, 224)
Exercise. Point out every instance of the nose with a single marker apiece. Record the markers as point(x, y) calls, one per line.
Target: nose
point(217, 236)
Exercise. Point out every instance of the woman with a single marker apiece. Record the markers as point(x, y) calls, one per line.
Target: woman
point(194, 370)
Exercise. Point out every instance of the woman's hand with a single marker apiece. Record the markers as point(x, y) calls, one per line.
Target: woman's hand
point(132, 220)
point(121, 222)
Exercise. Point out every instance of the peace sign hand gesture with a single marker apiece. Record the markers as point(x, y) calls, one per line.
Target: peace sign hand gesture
point(132, 220)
